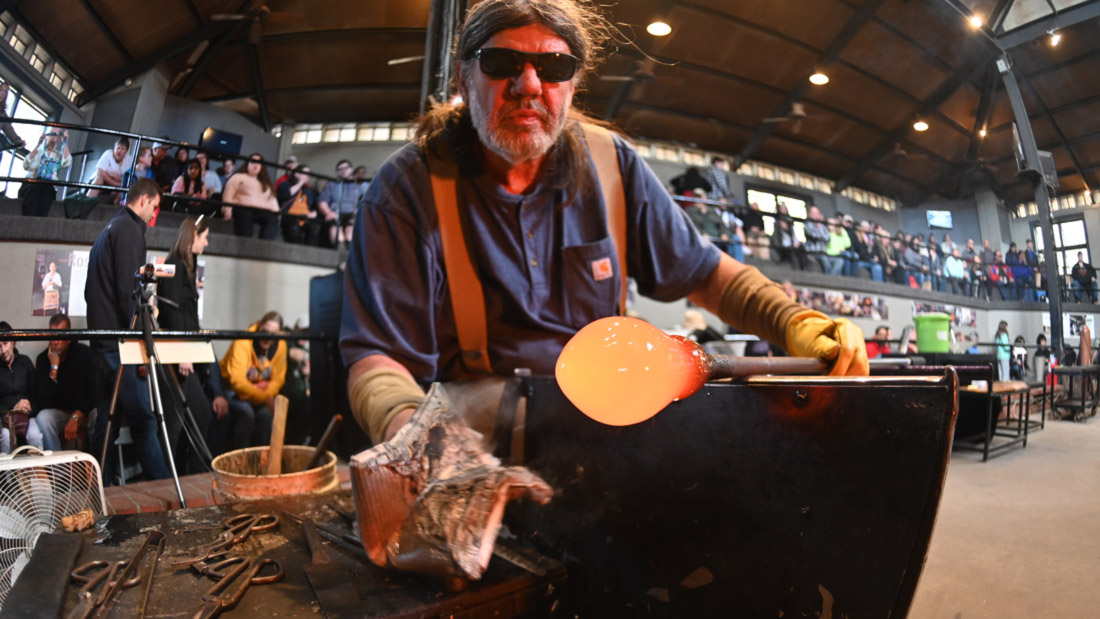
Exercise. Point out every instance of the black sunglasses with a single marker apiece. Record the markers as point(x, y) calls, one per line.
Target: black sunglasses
point(503, 63)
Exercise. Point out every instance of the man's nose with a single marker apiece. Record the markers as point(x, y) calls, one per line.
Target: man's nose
point(527, 83)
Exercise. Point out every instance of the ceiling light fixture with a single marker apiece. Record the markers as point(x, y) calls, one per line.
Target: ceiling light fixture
point(819, 78)
point(975, 21)
point(920, 125)
point(658, 28)
point(1055, 38)
point(982, 133)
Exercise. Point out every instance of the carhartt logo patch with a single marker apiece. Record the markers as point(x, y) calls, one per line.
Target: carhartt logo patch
point(601, 269)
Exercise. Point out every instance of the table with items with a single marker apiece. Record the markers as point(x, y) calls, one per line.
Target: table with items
point(255, 559)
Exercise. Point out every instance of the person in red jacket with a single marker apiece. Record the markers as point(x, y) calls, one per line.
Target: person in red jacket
point(881, 344)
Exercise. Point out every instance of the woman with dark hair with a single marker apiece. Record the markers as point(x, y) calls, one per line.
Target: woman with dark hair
point(190, 184)
point(201, 383)
point(254, 371)
point(181, 159)
point(251, 187)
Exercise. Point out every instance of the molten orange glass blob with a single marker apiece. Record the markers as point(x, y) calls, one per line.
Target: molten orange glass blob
point(621, 371)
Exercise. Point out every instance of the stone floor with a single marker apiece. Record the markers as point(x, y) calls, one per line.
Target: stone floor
point(1016, 536)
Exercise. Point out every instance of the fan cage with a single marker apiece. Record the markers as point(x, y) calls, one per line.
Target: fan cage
point(36, 491)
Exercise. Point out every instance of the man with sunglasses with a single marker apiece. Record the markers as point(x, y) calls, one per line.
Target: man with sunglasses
point(531, 212)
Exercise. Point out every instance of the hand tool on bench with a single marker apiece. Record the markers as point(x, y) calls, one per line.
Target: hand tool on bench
point(91, 575)
point(153, 540)
point(237, 529)
point(234, 583)
point(331, 583)
point(322, 445)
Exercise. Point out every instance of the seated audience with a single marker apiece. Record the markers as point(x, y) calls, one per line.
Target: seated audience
point(835, 259)
point(299, 426)
point(110, 169)
point(45, 163)
point(288, 170)
point(251, 187)
point(1083, 278)
point(182, 157)
point(142, 169)
point(866, 252)
point(339, 202)
point(164, 167)
point(16, 396)
point(954, 269)
point(210, 178)
point(298, 200)
point(190, 184)
point(817, 236)
point(785, 247)
point(226, 170)
point(880, 344)
point(1000, 276)
point(1024, 277)
point(979, 280)
point(65, 387)
point(10, 138)
point(708, 221)
point(913, 262)
point(253, 372)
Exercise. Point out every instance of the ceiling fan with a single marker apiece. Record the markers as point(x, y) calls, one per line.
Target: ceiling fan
point(797, 115)
point(256, 15)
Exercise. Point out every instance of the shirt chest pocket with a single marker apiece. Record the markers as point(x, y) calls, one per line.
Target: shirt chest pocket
point(591, 281)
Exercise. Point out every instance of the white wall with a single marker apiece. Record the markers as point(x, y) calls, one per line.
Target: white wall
point(237, 291)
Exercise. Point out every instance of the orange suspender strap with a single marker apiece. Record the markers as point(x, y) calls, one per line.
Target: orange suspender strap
point(467, 297)
point(602, 148)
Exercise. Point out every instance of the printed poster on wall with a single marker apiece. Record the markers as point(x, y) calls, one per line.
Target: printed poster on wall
point(59, 278)
point(58, 282)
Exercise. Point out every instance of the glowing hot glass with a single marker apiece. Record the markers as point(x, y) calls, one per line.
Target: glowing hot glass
point(621, 371)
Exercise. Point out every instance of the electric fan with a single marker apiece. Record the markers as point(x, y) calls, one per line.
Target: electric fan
point(37, 490)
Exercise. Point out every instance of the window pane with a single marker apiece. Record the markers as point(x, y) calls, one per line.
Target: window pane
point(347, 134)
point(795, 208)
point(382, 134)
point(299, 137)
point(1073, 233)
point(313, 136)
point(766, 202)
point(401, 134)
point(1037, 234)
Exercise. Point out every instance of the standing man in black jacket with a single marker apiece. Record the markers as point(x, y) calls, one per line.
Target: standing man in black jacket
point(116, 256)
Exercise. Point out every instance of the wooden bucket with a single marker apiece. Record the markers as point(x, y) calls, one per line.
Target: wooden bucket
point(239, 475)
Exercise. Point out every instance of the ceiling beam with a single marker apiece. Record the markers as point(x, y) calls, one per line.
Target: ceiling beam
point(106, 30)
point(195, 15)
point(140, 65)
point(942, 94)
point(343, 32)
point(201, 67)
point(845, 36)
point(258, 84)
point(928, 55)
point(997, 17)
point(723, 123)
point(1057, 130)
point(7, 5)
point(1068, 17)
point(313, 88)
point(957, 171)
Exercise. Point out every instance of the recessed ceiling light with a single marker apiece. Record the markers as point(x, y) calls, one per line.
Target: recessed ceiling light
point(982, 133)
point(975, 21)
point(1055, 38)
point(920, 125)
point(819, 78)
point(658, 28)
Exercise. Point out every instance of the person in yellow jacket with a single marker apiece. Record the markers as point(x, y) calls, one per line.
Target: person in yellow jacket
point(253, 372)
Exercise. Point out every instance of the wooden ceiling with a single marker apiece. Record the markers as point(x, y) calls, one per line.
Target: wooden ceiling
point(725, 67)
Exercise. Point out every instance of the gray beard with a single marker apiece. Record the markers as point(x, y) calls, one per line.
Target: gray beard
point(514, 146)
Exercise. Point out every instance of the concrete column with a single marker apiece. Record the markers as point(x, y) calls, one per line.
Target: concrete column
point(153, 85)
point(285, 146)
point(989, 219)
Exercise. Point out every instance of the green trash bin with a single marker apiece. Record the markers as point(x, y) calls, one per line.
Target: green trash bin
point(933, 333)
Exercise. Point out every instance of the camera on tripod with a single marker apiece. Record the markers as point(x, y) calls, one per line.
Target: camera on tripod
point(146, 276)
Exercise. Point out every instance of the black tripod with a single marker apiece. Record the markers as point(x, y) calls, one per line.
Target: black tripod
point(143, 314)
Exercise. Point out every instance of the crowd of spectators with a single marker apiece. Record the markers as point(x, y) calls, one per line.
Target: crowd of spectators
point(838, 245)
point(312, 210)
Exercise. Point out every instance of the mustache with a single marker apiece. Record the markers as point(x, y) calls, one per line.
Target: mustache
point(533, 105)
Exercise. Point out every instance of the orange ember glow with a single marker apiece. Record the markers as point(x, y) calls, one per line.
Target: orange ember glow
point(621, 371)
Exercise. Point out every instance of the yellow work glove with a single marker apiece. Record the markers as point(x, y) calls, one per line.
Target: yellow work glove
point(813, 334)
